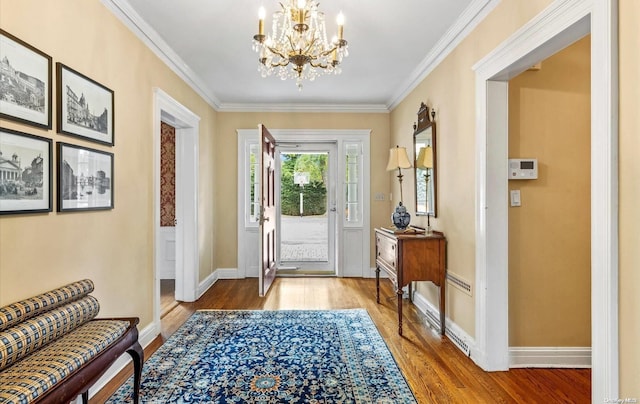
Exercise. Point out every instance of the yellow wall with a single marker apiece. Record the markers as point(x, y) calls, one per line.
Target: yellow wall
point(113, 248)
point(450, 89)
point(550, 234)
point(38, 252)
point(629, 38)
point(226, 157)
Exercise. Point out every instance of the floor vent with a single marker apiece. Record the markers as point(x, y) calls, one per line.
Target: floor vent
point(459, 283)
point(459, 342)
point(434, 322)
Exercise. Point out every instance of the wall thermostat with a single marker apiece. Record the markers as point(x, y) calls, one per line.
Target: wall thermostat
point(523, 169)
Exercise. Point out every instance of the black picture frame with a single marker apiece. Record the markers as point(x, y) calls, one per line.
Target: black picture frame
point(25, 188)
point(85, 178)
point(25, 82)
point(85, 107)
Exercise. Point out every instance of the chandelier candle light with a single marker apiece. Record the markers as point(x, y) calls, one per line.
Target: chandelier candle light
point(398, 159)
point(299, 38)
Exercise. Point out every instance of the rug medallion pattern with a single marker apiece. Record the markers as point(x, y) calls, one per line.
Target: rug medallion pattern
point(291, 356)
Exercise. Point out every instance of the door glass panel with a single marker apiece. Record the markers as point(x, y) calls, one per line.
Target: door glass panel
point(304, 207)
point(352, 211)
point(254, 182)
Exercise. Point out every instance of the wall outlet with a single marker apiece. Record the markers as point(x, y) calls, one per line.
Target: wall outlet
point(379, 196)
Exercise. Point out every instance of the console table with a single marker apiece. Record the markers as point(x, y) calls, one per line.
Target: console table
point(411, 257)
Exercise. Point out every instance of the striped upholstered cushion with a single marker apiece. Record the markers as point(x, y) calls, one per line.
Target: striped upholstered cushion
point(37, 373)
point(20, 311)
point(30, 335)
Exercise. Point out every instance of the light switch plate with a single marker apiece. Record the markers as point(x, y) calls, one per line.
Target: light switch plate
point(515, 197)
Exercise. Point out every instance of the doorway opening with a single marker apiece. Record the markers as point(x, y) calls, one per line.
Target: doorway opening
point(306, 208)
point(550, 31)
point(350, 188)
point(185, 247)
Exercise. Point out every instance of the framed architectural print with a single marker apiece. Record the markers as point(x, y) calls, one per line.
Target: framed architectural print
point(85, 178)
point(85, 107)
point(25, 82)
point(25, 173)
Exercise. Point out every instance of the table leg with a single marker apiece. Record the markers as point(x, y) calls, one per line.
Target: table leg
point(399, 293)
point(378, 284)
point(442, 309)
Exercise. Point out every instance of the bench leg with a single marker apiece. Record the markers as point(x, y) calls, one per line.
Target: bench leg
point(137, 354)
point(85, 397)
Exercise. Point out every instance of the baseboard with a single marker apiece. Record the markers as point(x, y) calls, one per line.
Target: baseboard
point(167, 274)
point(227, 273)
point(550, 357)
point(456, 334)
point(207, 283)
point(145, 337)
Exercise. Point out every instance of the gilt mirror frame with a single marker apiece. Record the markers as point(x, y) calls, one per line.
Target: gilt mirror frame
point(425, 180)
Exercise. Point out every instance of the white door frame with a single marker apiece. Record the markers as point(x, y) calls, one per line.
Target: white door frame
point(561, 24)
point(310, 146)
point(350, 262)
point(187, 124)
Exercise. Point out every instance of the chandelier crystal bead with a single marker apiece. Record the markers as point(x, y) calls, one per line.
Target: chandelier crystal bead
point(297, 47)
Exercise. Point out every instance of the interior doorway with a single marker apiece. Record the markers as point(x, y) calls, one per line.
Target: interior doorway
point(305, 184)
point(552, 30)
point(167, 231)
point(186, 125)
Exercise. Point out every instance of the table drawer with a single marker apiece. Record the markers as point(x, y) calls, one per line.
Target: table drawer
point(387, 252)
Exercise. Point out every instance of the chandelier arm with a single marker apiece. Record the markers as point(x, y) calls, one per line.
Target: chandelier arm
point(276, 52)
point(285, 62)
point(313, 41)
point(327, 53)
point(319, 64)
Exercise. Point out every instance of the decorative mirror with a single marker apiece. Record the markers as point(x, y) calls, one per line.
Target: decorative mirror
point(425, 162)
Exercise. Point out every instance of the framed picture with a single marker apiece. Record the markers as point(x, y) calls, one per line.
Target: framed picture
point(85, 178)
point(25, 173)
point(85, 107)
point(25, 82)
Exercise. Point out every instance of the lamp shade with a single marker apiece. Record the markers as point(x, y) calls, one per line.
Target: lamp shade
point(398, 158)
point(425, 158)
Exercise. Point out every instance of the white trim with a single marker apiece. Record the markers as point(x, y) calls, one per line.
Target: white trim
point(187, 124)
point(228, 273)
point(246, 234)
point(207, 283)
point(132, 20)
point(452, 329)
point(550, 357)
point(563, 22)
point(304, 107)
point(466, 22)
point(145, 337)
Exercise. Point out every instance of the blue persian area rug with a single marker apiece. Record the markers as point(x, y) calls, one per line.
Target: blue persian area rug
point(289, 356)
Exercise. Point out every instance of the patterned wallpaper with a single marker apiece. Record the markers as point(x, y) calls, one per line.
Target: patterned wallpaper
point(167, 175)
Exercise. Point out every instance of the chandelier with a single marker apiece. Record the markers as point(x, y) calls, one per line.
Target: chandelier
point(297, 47)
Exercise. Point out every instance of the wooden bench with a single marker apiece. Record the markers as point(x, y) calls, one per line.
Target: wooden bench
point(52, 348)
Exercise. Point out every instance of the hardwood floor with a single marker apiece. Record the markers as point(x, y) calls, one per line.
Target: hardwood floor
point(167, 293)
point(436, 370)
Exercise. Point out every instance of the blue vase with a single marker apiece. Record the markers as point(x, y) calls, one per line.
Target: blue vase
point(400, 217)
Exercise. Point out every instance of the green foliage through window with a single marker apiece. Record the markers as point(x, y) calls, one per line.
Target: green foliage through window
point(314, 193)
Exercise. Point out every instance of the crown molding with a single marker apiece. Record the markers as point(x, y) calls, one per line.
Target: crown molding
point(301, 107)
point(132, 20)
point(467, 22)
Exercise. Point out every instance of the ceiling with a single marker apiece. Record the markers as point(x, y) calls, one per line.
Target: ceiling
point(392, 46)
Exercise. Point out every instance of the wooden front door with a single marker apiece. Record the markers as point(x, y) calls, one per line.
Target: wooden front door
point(267, 211)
